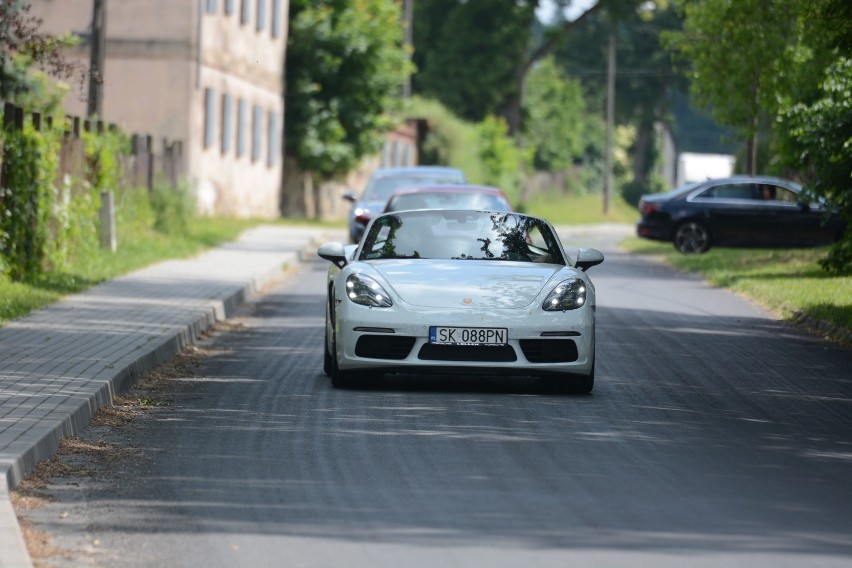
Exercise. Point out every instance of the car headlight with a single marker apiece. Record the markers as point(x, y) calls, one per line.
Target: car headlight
point(367, 292)
point(568, 295)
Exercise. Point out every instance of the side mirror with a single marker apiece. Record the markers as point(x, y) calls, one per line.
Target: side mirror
point(334, 253)
point(350, 196)
point(804, 206)
point(588, 257)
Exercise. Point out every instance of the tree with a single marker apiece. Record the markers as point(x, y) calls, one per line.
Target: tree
point(345, 68)
point(22, 47)
point(556, 121)
point(821, 134)
point(736, 54)
point(466, 53)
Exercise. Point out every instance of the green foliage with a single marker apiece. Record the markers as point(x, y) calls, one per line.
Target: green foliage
point(557, 119)
point(500, 157)
point(733, 49)
point(23, 49)
point(820, 134)
point(468, 53)
point(172, 207)
point(104, 151)
point(449, 141)
point(483, 151)
point(575, 209)
point(29, 168)
point(633, 190)
point(345, 68)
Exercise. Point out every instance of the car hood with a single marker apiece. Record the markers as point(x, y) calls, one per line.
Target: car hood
point(466, 283)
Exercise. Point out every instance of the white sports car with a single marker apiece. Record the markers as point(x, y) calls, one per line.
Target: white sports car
point(454, 292)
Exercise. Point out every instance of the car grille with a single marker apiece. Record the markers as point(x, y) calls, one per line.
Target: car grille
point(479, 353)
point(384, 346)
point(549, 350)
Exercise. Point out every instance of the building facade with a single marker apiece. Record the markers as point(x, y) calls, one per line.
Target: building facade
point(208, 73)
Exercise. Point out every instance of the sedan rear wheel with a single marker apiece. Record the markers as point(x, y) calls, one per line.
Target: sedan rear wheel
point(692, 237)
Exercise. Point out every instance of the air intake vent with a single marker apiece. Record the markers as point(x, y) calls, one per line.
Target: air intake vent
point(384, 346)
point(549, 350)
point(480, 353)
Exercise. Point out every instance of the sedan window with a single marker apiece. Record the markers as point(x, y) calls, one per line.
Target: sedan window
point(728, 191)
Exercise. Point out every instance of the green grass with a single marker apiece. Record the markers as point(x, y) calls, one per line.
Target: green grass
point(562, 209)
point(138, 247)
point(786, 281)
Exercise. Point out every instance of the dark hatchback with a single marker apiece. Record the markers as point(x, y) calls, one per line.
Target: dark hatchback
point(737, 211)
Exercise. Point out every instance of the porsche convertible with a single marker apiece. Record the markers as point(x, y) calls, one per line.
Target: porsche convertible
point(460, 292)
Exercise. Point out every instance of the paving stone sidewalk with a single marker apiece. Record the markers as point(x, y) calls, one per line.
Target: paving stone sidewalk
point(59, 365)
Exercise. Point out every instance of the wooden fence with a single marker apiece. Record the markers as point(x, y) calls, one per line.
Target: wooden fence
point(147, 163)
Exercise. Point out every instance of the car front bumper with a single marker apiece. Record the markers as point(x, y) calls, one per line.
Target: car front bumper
point(397, 340)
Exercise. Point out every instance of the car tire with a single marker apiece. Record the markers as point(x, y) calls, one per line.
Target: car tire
point(584, 385)
point(340, 379)
point(571, 383)
point(692, 237)
point(327, 356)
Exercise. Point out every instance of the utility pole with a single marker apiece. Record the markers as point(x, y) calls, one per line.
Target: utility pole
point(408, 16)
point(610, 119)
point(98, 50)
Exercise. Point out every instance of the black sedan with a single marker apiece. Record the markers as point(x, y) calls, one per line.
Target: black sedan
point(737, 211)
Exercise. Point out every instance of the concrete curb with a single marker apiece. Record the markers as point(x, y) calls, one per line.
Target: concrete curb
point(13, 549)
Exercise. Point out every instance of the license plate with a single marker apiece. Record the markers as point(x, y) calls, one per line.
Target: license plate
point(468, 335)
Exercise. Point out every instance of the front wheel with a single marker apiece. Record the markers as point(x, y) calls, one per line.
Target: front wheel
point(573, 384)
point(692, 237)
point(340, 379)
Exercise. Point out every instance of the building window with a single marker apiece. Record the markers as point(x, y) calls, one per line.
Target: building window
point(245, 11)
point(256, 132)
point(227, 123)
point(209, 118)
point(272, 138)
point(242, 111)
point(276, 18)
point(261, 16)
point(229, 7)
point(211, 6)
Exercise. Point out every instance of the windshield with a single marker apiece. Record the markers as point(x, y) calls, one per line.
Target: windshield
point(382, 187)
point(461, 235)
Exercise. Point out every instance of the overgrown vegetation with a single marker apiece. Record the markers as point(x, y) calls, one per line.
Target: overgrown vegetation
point(140, 244)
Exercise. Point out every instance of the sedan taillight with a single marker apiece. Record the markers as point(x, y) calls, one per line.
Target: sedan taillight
point(647, 208)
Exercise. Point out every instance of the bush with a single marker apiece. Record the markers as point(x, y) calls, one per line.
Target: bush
point(29, 166)
point(632, 191)
point(173, 208)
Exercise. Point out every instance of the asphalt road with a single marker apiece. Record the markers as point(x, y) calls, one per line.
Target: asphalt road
point(716, 436)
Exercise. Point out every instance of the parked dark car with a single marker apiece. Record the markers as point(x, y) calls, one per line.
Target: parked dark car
point(384, 182)
point(737, 211)
point(451, 196)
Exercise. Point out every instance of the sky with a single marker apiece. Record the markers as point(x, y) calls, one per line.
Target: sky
point(546, 9)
